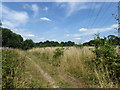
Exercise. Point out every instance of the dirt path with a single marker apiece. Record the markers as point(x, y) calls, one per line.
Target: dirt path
point(76, 83)
point(45, 75)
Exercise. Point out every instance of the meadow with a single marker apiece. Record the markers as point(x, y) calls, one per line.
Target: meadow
point(54, 67)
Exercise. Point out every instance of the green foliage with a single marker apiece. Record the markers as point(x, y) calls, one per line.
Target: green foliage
point(54, 44)
point(74, 72)
point(27, 44)
point(12, 69)
point(79, 46)
point(33, 84)
point(63, 84)
point(56, 57)
point(10, 39)
point(114, 40)
point(107, 58)
point(13, 40)
point(58, 52)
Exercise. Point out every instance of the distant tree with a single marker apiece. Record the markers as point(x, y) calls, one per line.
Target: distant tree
point(113, 39)
point(27, 44)
point(70, 43)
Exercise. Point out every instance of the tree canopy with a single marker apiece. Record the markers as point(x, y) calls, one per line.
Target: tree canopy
point(10, 39)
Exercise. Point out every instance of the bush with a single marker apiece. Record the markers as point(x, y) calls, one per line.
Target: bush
point(58, 52)
point(12, 69)
point(56, 57)
point(108, 59)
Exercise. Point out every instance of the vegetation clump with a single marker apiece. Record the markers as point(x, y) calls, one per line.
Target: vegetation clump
point(12, 69)
point(56, 57)
point(107, 59)
point(58, 52)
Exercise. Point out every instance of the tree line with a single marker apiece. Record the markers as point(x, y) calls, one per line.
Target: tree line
point(13, 40)
point(112, 39)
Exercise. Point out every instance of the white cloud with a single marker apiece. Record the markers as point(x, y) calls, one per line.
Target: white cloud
point(23, 32)
point(85, 31)
point(45, 8)
point(33, 7)
point(29, 35)
point(95, 30)
point(45, 19)
point(72, 7)
point(12, 18)
point(77, 38)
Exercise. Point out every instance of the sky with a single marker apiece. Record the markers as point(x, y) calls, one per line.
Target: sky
point(60, 21)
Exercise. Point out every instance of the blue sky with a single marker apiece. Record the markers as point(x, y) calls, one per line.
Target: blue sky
point(60, 21)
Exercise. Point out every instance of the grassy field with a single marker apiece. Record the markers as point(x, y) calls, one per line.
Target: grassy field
point(53, 67)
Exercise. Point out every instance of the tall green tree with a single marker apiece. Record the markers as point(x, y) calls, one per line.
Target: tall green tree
point(28, 44)
point(10, 39)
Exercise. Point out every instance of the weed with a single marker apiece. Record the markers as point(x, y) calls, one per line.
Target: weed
point(56, 57)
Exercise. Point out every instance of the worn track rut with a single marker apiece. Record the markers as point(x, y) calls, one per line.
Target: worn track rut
point(45, 75)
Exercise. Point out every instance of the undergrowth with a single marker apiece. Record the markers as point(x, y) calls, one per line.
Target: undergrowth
point(12, 69)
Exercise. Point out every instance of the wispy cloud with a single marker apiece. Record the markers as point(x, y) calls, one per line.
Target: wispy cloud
point(29, 35)
point(85, 31)
point(72, 7)
point(77, 38)
point(45, 19)
point(45, 9)
point(97, 30)
point(12, 18)
point(33, 7)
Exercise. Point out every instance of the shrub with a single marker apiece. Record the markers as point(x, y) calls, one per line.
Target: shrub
point(108, 59)
point(12, 69)
point(58, 52)
point(56, 57)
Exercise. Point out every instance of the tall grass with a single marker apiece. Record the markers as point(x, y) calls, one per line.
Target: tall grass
point(61, 63)
point(12, 68)
point(78, 63)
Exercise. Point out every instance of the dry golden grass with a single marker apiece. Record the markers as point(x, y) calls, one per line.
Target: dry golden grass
point(75, 68)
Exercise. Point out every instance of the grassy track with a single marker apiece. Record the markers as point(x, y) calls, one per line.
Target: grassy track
point(51, 68)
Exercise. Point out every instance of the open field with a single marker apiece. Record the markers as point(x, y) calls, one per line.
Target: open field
point(60, 44)
point(53, 67)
